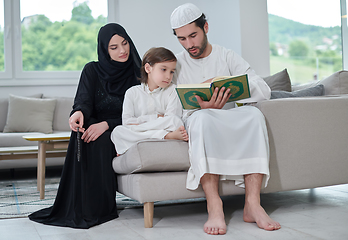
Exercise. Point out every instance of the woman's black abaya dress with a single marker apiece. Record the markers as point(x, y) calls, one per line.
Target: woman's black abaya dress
point(87, 191)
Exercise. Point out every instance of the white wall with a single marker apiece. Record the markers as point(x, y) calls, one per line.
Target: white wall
point(241, 25)
point(149, 24)
point(254, 35)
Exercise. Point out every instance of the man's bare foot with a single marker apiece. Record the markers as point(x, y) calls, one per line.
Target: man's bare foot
point(179, 134)
point(216, 220)
point(256, 213)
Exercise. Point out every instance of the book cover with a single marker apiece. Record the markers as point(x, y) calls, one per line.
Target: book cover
point(239, 86)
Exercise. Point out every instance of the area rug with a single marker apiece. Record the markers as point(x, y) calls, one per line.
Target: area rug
point(20, 198)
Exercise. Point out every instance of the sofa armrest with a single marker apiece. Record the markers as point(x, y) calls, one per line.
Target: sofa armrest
point(308, 141)
point(153, 155)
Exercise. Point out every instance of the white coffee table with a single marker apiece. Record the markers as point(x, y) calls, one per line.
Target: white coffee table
point(50, 145)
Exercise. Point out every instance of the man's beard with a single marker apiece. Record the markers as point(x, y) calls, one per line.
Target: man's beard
point(200, 48)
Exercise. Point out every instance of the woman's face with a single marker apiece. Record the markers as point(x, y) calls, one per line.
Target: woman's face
point(118, 48)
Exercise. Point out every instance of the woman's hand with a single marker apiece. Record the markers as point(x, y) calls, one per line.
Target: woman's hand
point(94, 131)
point(217, 101)
point(76, 120)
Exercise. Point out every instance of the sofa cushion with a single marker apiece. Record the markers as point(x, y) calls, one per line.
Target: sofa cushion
point(279, 81)
point(312, 91)
point(29, 114)
point(62, 113)
point(335, 84)
point(15, 139)
point(153, 155)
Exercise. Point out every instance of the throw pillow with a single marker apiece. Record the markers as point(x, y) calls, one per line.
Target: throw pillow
point(312, 91)
point(4, 109)
point(279, 81)
point(62, 113)
point(29, 114)
point(335, 84)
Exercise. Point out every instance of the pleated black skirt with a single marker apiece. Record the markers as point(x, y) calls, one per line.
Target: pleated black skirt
point(87, 190)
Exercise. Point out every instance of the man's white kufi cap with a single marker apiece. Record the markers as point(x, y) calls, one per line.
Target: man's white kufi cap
point(184, 14)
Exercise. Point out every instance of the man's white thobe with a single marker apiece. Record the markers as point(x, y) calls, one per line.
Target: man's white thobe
point(230, 142)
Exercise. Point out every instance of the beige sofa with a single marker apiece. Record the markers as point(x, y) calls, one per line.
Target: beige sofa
point(13, 117)
point(308, 139)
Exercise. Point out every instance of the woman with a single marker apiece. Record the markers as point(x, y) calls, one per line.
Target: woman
point(87, 190)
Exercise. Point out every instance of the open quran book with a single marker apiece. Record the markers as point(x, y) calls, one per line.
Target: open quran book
point(239, 86)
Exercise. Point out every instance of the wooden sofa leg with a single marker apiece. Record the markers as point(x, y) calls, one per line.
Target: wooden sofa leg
point(148, 214)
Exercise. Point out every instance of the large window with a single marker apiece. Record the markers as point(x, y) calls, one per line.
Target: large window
point(60, 35)
point(48, 40)
point(305, 37)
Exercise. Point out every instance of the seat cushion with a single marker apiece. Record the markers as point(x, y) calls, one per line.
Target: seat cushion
point(16, 139)
point(153, 155)
point(161, 186)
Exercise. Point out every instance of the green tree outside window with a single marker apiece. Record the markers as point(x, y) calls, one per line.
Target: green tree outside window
point(60, 46)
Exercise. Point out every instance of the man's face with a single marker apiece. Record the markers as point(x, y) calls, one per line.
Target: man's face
point(193, 39)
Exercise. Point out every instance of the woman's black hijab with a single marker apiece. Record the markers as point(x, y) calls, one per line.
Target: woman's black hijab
point(117, 76)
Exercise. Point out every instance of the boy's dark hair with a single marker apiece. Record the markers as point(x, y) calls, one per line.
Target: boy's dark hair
point(153, 56)
point(199, 22)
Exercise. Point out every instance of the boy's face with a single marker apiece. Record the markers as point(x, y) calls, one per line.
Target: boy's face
point(160, 74)
point(193, 39)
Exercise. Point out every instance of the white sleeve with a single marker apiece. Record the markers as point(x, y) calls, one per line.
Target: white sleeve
point(259, 90)
point(174, 106)
point(129, 112)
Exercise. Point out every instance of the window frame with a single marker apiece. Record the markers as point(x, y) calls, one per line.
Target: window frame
point(7, 73)
point(344, 32)
point(14, 74)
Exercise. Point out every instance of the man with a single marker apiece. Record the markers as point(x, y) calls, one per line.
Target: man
point(224, 144)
